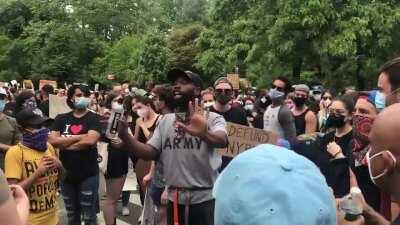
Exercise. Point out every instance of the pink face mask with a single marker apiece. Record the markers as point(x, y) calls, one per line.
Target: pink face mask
point(142, 112)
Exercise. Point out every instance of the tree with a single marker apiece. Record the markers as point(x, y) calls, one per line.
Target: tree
point(153, 58)
point(182, 47)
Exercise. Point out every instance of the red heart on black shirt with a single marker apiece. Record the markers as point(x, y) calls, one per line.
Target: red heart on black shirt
point(75, 129)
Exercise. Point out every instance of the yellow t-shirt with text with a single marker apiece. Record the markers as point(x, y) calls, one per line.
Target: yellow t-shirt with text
point(20, 163)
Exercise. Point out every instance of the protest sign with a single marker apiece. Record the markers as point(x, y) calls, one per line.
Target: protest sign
point(235, 81)
point(57, 105)
point(244, 83)
point(44, 82)
point(28, 84)
point(242, 138)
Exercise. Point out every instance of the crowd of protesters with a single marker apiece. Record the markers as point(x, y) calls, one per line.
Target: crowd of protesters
point(336, 160)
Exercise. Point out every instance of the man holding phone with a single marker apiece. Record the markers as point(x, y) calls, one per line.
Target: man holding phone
point(186, 147)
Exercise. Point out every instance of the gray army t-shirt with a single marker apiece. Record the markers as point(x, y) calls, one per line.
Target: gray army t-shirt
point(188, 161)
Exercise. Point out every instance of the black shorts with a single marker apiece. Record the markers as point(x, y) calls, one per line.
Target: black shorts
point(117, 164)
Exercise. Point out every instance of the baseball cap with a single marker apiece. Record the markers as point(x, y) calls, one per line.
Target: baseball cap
point(30, 118)
point(272, 185)
point(302, 87)
point(175, 73)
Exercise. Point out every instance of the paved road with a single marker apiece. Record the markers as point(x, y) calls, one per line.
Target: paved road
point(134, 206)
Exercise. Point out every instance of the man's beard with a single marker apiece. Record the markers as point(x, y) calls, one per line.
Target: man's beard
point(183, 100)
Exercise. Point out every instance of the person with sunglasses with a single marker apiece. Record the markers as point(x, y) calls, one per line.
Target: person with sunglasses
point(224, 95)
point(277, 117)
point(9, 132)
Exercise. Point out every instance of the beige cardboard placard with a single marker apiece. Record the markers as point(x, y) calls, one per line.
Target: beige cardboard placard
point(242, 138)
point(44, 82)
point(28, 84)
point(57, 105)
point(234, 79)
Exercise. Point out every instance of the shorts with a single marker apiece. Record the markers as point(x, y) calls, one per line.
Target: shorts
point(117, 164)
point(155, 193)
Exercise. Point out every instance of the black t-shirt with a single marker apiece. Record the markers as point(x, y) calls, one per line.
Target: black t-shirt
point(397, 221)
point(83, 163)
point(234, 115)
point(44, 107)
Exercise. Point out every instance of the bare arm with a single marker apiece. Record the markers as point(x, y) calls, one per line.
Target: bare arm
point(140, 150)
point(12, 213)
point(4, 147)
point(311, 123)
point(217, 139)
point(60, 142)
point(89, 140)
point(373, 218)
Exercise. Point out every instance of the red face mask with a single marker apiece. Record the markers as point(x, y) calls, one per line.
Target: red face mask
point(362, 126)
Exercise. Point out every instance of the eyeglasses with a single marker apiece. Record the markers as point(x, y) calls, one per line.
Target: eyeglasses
point(227, 91)
point(336, 111)
point(281, 89)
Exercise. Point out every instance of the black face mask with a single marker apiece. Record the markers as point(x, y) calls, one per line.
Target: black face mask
point(299, 101)
point(334, 121)
point(223, 98)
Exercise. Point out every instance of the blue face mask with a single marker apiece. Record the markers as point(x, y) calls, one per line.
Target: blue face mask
point(276, 95)
point(380, 101)
point(2, 105)
point(81, 103)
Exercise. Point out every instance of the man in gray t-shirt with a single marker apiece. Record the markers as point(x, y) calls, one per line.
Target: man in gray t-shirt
point(185, 142)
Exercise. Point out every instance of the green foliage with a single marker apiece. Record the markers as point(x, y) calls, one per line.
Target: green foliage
point(139, 40)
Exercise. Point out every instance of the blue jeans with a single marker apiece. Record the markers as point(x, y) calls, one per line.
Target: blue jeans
point(81, 199)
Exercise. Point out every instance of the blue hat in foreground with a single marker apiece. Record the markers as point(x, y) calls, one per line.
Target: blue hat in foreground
point(275, 186)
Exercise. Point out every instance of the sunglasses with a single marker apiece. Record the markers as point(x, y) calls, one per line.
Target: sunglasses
point(327, 98)
point(281, 89)
point(227, 91)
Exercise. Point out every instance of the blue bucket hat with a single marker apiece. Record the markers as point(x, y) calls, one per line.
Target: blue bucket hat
point(275, 186)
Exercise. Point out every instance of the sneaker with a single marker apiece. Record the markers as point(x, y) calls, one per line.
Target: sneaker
point(125, 211)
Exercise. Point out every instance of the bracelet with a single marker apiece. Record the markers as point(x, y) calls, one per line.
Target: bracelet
point(336, 154)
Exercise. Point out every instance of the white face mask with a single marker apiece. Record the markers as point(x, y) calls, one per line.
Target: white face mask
point(384, 172)
point(208, 104)
point(117, 107)
point(142, 112)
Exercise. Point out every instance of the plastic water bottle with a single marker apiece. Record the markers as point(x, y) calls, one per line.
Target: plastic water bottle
point(351, 205)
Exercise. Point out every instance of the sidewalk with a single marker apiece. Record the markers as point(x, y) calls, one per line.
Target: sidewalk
point(134, 207)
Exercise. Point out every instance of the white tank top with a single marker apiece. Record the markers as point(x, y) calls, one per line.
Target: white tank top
point(271, 121)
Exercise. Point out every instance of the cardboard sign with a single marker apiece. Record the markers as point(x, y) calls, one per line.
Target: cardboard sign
point(235, 81)
point(245, 83)
point(28, 84)
point(44, 82)
point(242, 138)
point(57, 105)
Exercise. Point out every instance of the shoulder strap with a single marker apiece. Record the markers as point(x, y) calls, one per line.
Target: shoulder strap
point(12, 122)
